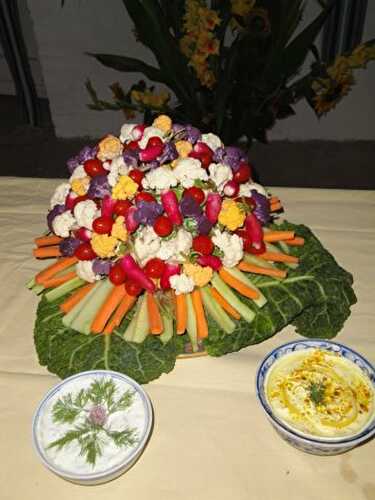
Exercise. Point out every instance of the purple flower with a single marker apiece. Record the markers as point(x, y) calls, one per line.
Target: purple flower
point(87, 153)
point(100, 266)
point(99, 187)
point(189, 207)
point(98, 415)
point(68, 246)
point(57, 210)
point(130, 157)
point(147, 212)
point(169, 153)
point(204, 225)
point(262, 208)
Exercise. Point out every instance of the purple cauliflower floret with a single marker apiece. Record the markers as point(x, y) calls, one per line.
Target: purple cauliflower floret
point(130, 157)
point(87, 153)
point(262, 208)
point(147, 212)
point(169, 153)
point(57, 210)
point(68, 246)
point(204, 225)
point(100, 266)
point(145, 167)
point(231, 156)
point(219, 155)
point(99, 187)
point(189, 207)
point(72, 164)
point(192, 134)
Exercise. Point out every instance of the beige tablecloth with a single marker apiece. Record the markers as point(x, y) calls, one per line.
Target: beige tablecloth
point(211, 440)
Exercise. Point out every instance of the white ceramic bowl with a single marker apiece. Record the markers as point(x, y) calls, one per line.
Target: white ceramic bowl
point(314, 445)
point(118, 464)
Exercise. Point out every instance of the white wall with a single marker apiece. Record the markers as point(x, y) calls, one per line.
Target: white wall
point(64, 35)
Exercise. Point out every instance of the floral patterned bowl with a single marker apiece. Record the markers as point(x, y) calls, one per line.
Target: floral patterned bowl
point(313, 445)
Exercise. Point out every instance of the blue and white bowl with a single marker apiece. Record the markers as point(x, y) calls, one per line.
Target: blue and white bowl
point(309, 444)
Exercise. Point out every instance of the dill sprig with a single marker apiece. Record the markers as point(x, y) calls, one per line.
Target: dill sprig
point(317, 392)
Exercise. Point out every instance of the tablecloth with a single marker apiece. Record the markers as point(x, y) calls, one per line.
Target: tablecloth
point(210, 439)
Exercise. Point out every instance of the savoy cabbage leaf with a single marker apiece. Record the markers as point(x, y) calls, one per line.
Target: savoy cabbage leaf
point(316, 298)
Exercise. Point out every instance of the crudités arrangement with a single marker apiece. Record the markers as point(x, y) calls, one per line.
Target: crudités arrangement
point(163, 244)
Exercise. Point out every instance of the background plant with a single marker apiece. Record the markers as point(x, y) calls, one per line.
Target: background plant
point(233, 66)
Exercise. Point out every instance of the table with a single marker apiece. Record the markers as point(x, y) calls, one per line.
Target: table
point(211, 439)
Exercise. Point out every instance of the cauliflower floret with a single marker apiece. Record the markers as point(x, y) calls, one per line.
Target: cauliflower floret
point(146, 245)
point(150, 132)
point(118, 167)
point(245, 189)
point(160, 178)
point(62, 224)
point(199, 274)
point(60, 194)
point(181, 283)
point(126, 132)
point(231, 245)
point(176, 248)
point(220, 174)
point(188, 170)
point(212, 141)
point(78, 173)
point(85, 272)
point(104, 245)
point(85, 212)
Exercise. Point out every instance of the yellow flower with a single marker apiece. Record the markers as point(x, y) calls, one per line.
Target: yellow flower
point(163, 122)
point(200, 275)
point(242, 7)
point(125, 188)
point(109, 148)
point(183, 148)
point(104, 245)
point(208, 18)
point(330, 91)
point(147, 98)
point(119, 230)
point(80, 186)
point(231, 215)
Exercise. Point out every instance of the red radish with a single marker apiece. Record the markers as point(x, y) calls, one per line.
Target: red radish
point(137, 132)
point(210, 261)
point(108, 206)
point(132, 145)
point(69, 200)
point(163, 226)
point(250, 248)
point(102, 225)
point(213, 207)
point(150, 153)
point(83, 234)
point(143, 196)
point(136, 175)
point(136, 274)
point(243, 174)
point(121, 207)
point(94, 167)
point(117, 275)
point(204, 158)
point(130, 222)
point(231, 189)
point(154, 268)
point(169, 270)
point(203, 244)
point(154, 141)
point(171, 207)
point(202, 148)
point(85, 252)
point(254, 230)
point(78, 200)
point(196, 193)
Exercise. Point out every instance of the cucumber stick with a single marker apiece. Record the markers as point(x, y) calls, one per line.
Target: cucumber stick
point(191, 325)
point(142, 326)
point(236, 273)
point(245, 311)
point(168, 328)
point(63, 289)
point(216, 311)
point(129, 332)
point(73, 313)
point(257, 261)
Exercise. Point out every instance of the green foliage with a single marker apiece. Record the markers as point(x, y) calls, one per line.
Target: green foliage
point(315, 297)
point(317, 392)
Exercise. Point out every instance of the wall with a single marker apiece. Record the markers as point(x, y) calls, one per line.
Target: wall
point(64, 35)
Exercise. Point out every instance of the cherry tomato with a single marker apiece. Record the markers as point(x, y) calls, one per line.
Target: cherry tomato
point(154, 268)
point(203, 245)
point(121, 207)
point(133, 288)
point(84, 252)
point(163, 226)
point(136, 175)
point(132, 145)
point(117, 275)
point(143, 196)
point(102, 225)
point(243, 174)
point(155, 141)
point(94, 167)
point(196, 193)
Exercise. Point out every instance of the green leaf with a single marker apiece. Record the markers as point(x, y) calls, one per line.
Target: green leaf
point(126, 437)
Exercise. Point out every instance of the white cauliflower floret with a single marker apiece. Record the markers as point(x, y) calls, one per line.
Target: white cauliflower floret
point(212, 141)
point(85, 213)
point(188, 170)
point(78, 173)
point(60, 194)
point(220, 174)
point(181, 283)
point(147, 244)
point(126, 132)
point(176, 248)
point(85, 272)
point(245, 189)
point(62, 224)
point(231, 245)
point(150, 132)
point(160, 178)
point(118, 167)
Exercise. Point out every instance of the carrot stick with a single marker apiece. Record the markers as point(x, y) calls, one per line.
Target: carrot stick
point(45, 241)
point(202, 327)
point(71, 301)
point(251, 268)
point(274, 199)
point(278, 236)
point(54, 282)
point(46, 252)
point(154, 317)
point(112, 301)
point(295, 242)
point(274, 207)
point(181, 313)
point(56, 267)
point(238, 285)
point(224, 304)
point(125, 305)
point(279, 257)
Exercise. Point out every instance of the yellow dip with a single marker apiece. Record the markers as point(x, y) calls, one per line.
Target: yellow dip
point(320, 393)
